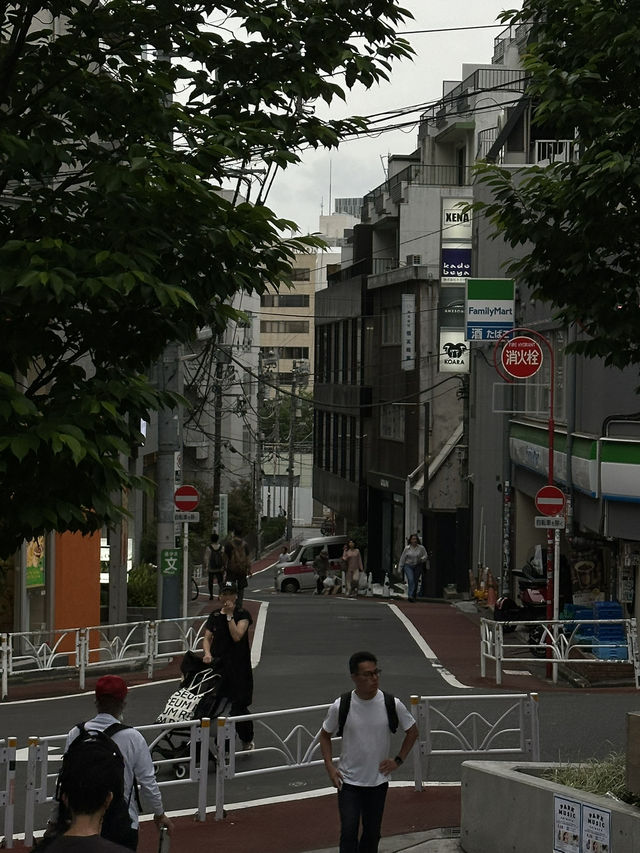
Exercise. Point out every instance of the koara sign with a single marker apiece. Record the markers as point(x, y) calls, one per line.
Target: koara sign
point(489, 308)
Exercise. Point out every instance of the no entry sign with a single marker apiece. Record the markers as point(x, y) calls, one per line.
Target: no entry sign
point(550, 500)
point(521, 357)
point(186, 498)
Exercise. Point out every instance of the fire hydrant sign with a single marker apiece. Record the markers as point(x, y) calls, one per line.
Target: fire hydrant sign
point(521, 357)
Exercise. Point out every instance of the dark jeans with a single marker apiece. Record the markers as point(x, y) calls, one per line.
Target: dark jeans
point(218, 578)
point(356, 803)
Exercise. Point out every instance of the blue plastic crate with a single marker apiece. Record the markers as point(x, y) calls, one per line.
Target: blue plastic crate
point(611, 652)
point(607, 610)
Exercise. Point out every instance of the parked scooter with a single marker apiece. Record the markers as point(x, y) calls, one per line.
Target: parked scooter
point(532, 589)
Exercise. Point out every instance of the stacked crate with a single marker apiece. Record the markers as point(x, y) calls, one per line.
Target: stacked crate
point(612, 635)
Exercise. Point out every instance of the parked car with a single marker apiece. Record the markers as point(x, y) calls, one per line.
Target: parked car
point(295, 571)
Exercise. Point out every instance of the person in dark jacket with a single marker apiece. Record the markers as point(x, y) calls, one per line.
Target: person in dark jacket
point(226, 636)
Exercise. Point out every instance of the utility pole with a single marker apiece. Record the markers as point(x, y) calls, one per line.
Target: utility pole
point(223, 357)
point(168, 445)
point(290, 467)
point(300, 375)
point(258, 463)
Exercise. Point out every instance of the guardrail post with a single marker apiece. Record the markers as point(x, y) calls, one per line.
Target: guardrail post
point(220, 738)
point(10, 789)
point(205, 740)
point(5, 665)
point(417, 762)
point(535, 726)
point(81, 655)
point(483, 641)
point(498, 650)
point(151, 632)
point(31, 785)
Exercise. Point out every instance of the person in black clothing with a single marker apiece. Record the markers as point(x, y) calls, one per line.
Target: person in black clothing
point(214, 562)
point(226, 636)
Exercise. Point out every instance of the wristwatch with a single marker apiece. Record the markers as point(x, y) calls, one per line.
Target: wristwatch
point(398, 760)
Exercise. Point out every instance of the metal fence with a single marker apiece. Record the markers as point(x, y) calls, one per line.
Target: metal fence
point(193, 764)
point(7, 793)
point(490, 726)
point(579, 643)
point(84, 649)
point(503, 725)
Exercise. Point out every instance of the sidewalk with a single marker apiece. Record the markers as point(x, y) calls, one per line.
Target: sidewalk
point(422, 821)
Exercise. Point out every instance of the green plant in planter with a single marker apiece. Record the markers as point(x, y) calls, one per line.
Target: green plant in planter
point(142, 586)
point(605, 776)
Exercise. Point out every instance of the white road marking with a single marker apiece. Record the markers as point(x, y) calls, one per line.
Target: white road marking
point(258, 635)
point(427, 651)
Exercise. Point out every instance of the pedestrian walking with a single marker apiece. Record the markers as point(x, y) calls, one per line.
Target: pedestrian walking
point(366, 718)
point(414, 561)
point(90, 781)
point(352, 560)
point(139, 773)
point(214, 562)
point(238, 563)
point(226, 636)
point(321, 567)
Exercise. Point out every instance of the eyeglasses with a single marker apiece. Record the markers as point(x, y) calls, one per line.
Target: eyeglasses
point(372, 673)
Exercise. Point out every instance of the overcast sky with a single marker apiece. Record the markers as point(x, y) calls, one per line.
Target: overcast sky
point(356, 167)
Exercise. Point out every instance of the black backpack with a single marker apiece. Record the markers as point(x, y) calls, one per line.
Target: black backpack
point(116, 824)
point(389, 703)
point(216, 562)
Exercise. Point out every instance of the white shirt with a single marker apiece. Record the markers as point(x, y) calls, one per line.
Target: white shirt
point(366, 738)
point(137, 762)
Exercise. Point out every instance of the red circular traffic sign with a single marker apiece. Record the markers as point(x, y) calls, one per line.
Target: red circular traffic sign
point(521, 357)
point(550, 500)
point(186, 498)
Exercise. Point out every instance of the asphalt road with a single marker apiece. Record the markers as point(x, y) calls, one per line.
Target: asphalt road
point(303, 661)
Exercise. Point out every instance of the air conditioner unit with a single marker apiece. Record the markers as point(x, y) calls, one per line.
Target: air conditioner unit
point(413, 260)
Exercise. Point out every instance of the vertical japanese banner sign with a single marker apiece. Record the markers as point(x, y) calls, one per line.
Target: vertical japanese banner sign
point(408, 353)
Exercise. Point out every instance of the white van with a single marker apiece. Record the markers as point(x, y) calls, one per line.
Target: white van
point(294, 571)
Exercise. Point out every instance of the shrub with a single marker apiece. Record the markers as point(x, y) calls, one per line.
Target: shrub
point(142, 586)
point(273, 528)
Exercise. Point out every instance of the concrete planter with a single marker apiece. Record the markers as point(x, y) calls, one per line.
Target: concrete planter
point(506, 807)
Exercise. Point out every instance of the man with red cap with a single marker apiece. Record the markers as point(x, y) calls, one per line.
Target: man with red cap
point(111, 695)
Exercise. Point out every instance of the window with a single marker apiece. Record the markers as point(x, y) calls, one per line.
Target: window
point(284, 300)
point(391, 325)
point(301, 274)
point(284, 327)
point(392, 422)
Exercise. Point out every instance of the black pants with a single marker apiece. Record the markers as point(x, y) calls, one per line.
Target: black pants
point(357, 803)
point(218, 578)
point(244, 728)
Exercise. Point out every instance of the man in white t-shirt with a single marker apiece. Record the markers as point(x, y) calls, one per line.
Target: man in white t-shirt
point(361, 776)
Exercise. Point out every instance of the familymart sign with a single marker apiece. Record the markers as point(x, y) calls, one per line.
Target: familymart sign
point(489, 308)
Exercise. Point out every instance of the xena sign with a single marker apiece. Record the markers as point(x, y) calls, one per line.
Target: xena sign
point(456, 223)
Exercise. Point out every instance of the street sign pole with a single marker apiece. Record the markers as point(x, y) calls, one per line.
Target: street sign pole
point(552, 602)
point(185, 571)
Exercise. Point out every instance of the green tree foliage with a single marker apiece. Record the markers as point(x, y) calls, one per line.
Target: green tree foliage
point(113, 240)
point(579, 220)
point(241, 513)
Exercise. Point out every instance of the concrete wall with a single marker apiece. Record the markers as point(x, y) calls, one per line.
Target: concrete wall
point(504, 809)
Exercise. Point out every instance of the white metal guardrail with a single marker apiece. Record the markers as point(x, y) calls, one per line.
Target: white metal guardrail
point(500, 725)
point(292, 750)
point(575, 642)
point(8, 790)
point(83, 649)
point(488, 726)
point(193, 762)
